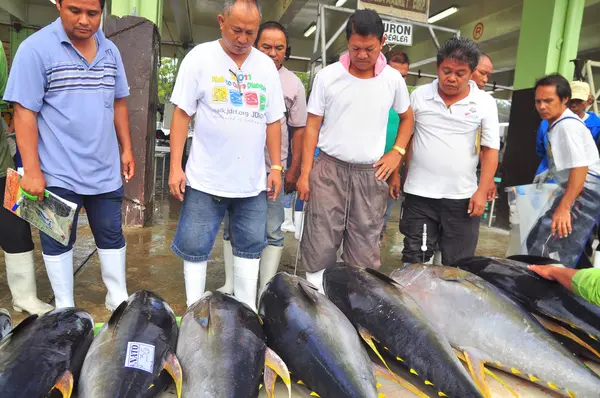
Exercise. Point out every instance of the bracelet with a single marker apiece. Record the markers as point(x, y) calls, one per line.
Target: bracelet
point(277, 167)
point(400, 150)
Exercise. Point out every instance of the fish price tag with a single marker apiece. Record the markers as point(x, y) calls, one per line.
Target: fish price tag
point(140, 356)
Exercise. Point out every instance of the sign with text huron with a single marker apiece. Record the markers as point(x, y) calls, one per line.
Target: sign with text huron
point(414, 10)
point(398, 33)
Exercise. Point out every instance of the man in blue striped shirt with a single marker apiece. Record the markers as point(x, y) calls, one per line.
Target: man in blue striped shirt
point(69, 89)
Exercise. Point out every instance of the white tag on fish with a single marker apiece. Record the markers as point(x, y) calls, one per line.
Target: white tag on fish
point(140, 356)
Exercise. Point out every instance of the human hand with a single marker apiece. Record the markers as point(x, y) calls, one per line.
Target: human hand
point(492, 192)
point(541, 178)
point(477, 203)
point(128, 163)
point(33, 183)
point(561, 222)
point(387, 164)
point(394, 184)
point(177, 182)
point(291, 178)
point(302, 187)
point(545, 271)
point(274, 184)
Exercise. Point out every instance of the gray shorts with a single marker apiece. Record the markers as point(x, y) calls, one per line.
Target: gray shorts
point(346, 202)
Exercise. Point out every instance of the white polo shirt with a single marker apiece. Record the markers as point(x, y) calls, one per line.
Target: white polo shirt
point(444, 160)
point(570, 145)
point(233, 107)
point(356, 111)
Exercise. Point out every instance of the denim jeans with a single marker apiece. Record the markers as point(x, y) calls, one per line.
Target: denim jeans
point(200, 220)
point(104, 214)
point(275, 217)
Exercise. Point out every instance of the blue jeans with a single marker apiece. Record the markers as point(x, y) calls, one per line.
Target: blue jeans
point(200, 220)
point(275, 217)
point(104, 214)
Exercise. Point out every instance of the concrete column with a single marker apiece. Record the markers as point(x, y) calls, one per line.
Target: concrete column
point(149, 9)
point(548, 41)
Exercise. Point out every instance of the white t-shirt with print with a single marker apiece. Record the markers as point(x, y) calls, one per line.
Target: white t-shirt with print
point(444, 160)
point(571, 145)
point(232, 107)
point(356, 111)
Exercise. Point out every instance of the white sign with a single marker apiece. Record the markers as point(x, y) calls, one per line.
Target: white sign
point(140, 356)
point(398, 33)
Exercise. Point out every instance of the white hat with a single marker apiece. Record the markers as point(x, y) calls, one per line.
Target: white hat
point(580, 90)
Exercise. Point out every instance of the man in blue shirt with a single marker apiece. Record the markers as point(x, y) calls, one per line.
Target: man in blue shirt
point(69, 89)
point(580, 100)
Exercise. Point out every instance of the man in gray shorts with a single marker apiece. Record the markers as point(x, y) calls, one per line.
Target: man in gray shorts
point(347, 116)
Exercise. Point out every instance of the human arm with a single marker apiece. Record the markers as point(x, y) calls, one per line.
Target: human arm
point(26, 128)
point(490, 145)
point(124, 137)
point(561, 220)
point(274, 149)
point(492, 191)
point(564, 276)
point(292, 175)
point(586, 283)
point(179, 131)
point(309, 146)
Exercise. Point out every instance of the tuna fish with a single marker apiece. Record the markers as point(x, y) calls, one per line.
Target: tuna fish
point(223, 352)
point(377, 307)
point(490, 328)
point(5, 323)
point(316, 341)
point(43, 355)
point(535, 293)
point(132, 351)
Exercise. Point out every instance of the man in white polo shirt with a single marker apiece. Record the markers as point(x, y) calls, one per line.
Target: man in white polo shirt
point(574, 164)
point(454, 122)
point(347, 119)
point(235, 92)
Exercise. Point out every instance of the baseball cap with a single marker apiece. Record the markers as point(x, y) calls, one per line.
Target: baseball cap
point(580, 90)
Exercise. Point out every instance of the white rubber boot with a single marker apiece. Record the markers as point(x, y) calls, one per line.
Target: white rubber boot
point(60, 273)
point(299, 224)
point(113, 265)
point(245, 278)
point(20, 274)
point(316, 278)
point(228, 260)
point(596, 262)
point(269, 264)
point(195, 280)
point(288, 222)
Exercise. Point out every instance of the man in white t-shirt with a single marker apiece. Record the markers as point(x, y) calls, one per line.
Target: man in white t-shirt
point(454, 122)
point(235, 93)
point(273, 40)
point(575, 165)
point(347, 120)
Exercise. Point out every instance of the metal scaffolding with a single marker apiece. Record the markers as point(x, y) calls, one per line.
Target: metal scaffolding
point(321, 44)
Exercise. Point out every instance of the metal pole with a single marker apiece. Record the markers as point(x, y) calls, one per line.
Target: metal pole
point(590, 76)
point(315, 48)
point(337, 34)
point(434, 37)
point(323, 38)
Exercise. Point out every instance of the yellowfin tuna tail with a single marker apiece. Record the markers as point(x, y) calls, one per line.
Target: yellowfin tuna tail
point(275, 366)
point(65, 384)
point(173, 367)
point(368, 338)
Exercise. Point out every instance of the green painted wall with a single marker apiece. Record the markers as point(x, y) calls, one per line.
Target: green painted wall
point(149, 9)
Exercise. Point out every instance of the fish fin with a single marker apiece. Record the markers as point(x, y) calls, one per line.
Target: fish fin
point(556, 328)
point(499, 380)
point(173, 367)
point(314, 394)
point(380, 395)
point(22, 325)
point(537, 260)
point(64, 384)
point(274, 366)
point(388, 374)
point(116, 315)
point(381, 276)
point(477, 370)
point(309, 291)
